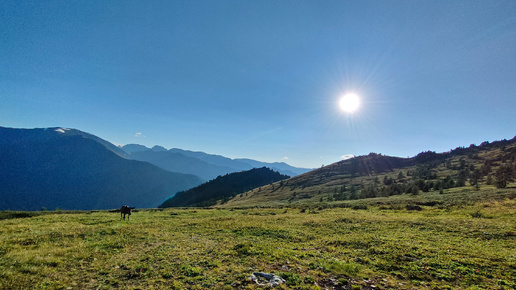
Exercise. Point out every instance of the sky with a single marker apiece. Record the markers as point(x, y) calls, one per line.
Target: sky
point(263, 79)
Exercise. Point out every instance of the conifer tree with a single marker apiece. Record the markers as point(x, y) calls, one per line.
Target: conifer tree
point(504, 174)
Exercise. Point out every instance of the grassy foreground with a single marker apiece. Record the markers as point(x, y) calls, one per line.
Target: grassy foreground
point(462, 247)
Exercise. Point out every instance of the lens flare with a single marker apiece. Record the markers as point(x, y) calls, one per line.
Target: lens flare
point(349, 103)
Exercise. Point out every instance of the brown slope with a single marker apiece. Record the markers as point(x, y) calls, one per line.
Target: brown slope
point(354, 176)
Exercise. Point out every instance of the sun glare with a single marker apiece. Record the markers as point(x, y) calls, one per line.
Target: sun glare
point(349, 103)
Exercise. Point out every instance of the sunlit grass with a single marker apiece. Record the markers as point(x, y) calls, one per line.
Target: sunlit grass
point(458, 247)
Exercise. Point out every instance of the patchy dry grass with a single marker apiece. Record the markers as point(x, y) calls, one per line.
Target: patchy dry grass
point(459, 247)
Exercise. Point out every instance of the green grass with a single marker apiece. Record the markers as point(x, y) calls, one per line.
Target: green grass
point(460, 246)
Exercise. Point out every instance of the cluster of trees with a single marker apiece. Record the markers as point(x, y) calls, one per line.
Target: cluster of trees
point(424, 178)
point(504, 174)
point(344, 194)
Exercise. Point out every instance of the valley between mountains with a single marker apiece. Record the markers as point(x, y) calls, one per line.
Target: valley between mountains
point(69, 169)
point(60, 168)
point(433, 221)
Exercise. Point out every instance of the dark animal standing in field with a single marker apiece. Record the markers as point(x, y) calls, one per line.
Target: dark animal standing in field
point(125, 210)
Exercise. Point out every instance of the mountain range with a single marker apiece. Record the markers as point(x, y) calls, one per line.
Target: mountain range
point(71, 169)
point(206, 166)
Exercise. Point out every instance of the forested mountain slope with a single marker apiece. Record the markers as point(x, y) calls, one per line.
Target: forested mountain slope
point(224, 187)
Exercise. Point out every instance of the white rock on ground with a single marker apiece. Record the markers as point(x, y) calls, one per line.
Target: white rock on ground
point(272, 280)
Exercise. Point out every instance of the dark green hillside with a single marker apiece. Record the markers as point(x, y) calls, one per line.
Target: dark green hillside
point(224, 187)
point(50, 168)
point(375, 175)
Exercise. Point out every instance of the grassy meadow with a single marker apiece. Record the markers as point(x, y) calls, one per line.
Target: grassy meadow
point(354, 246)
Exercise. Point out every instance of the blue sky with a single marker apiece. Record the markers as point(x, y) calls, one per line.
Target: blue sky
point(262, 79)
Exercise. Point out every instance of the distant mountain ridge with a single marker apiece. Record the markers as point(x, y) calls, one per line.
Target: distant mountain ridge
point(70, 169)
point(206, 166)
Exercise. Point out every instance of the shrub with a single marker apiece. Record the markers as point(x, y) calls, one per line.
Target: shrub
point(477, 214)
point(413, 207)
point(291, 278)
point(342, 268)
point(359, 206)
point(190, 271)
point(243, 249)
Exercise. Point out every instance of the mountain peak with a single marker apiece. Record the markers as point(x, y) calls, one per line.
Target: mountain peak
point(131, 148)
point(62, 130)
point(158, 148)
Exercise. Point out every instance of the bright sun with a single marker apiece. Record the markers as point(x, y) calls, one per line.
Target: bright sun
point(349, 102)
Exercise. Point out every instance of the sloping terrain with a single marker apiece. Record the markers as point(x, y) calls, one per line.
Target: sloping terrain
point(376, 175)
point(223, 188)
point(58, 168)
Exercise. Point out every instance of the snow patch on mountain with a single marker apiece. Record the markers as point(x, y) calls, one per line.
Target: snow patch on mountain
point(62, 130)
